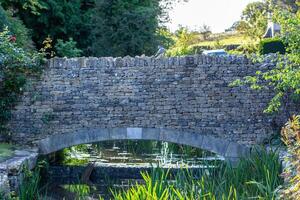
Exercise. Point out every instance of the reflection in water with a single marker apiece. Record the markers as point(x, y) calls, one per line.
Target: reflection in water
point(141, 153)
point(126, 154)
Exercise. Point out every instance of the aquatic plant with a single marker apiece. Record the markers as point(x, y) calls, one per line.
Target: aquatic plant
point(29, 188)
point(256, 177)
point(81, 190)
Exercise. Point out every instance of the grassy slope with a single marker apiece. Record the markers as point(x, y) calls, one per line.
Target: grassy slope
point(225, 39)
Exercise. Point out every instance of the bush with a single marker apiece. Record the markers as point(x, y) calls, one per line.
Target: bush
point(67, 48)
point(283, 79)
point(16, 27)
point(291, 137)
point(16, 65)
point(271, 45)
point(184, 39)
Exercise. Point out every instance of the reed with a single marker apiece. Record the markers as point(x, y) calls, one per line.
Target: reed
point(255, 177)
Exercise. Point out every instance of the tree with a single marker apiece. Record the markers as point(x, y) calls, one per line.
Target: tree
point(67, 48)
point(205, 31)
point(290, 5)
point(233, 27)
point(284, 79)
point(100, 27)
point(57, 19)
point(254, 20)
point(184, 38)
point(33, 6)
point(127, 27)
point(17, 29)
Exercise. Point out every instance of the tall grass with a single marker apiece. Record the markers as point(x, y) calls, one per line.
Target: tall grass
point(256, 177)
point(29, 188)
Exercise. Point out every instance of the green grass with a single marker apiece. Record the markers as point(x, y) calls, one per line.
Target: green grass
point(6, 150)
point(225, 39)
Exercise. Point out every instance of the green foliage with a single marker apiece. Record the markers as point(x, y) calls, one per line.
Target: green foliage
point(30, 182)
point(64, 156)
point(15, 65)
point(256, 177)
point(100, 27)
point(59, 20)
point(254, 20)
point(82, 191)
point(33, 6)
point(125, 27)
point(290, 5)
point(247, 49)
point(291, 138)
point(29, 188)
point(6, 150)
point(67, 49)
point(184, 39)
point(166, 38)
point(16, 27)
point(271, 45)
point(284, 79)
point(290, 33)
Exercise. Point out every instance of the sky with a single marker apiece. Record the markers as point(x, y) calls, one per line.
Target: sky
point(218, 14)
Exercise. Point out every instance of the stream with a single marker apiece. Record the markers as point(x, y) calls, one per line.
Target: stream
point(118, 165)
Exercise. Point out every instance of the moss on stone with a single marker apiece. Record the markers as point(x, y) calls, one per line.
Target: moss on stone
point(6, 150)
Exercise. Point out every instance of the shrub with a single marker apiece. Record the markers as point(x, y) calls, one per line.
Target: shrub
point(16, 27)
point(283, 79)
point(67, 48)
point(183, 41)
point(291, 137)
point(271, 45)
point(16, 65)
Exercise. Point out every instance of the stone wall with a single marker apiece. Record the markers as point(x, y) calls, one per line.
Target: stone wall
point(12, 170)
point(187, 93)
point(72, 174)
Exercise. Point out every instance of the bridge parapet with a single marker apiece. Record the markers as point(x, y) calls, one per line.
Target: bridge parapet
point(181, 93)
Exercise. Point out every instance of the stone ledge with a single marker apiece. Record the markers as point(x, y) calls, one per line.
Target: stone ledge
point(11, 169)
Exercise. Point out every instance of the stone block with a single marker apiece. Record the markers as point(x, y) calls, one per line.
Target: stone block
point(118, 133)
point(134, 133)
point(169, 135)
point(98, 135)
point(193, 139)
point(235, 150)
point(151, 134)
point(216, 145)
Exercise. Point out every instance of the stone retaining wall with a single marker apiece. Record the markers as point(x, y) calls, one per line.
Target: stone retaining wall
point(72, 174)
point(11, 170)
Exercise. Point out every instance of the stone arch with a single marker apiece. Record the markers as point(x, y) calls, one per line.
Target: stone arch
point(232, 151)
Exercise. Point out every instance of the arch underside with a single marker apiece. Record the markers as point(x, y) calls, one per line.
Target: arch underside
point(229, 150)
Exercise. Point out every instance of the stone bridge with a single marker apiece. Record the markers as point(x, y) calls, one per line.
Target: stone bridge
point(184, 100)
